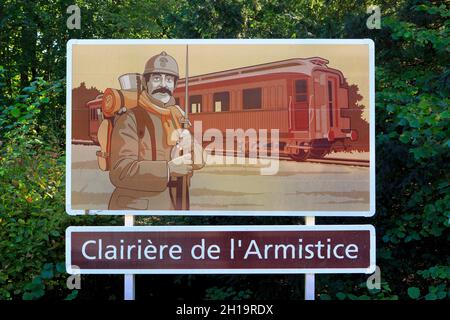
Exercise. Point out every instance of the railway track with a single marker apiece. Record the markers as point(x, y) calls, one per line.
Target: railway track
point(347, 162)
point(337, 161)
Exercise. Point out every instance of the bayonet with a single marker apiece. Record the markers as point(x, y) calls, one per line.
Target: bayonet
point(183, 202)
point(186, 122)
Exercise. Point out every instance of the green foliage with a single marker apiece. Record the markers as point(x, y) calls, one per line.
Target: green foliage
point(438, 276)
point(226, 293)
point(436, 272)
point(32, 214)
point(31, 185)
point(412, 148)
point(414, 292)
point(51, 277)
point(37, 105)
point(346, 288)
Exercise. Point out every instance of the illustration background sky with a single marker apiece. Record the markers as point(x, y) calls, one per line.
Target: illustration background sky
point(100, 65)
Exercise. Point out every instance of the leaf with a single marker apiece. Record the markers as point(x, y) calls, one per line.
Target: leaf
point(38, 293)
point(340, 295)
point(55, 233)
point(441, 294)
point(61, 267)
point(445, 115)
point(48, 266)
point(414, 292)
point(29, 89)
point(431, 296)
point(72, 295)
point(37, 281)
point(405, 137)
point(47, 274)
point(27, 296)
point(15, 112)
point(414, 123)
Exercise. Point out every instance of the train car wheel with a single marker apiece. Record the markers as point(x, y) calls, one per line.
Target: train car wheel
point(301, 155)
point(320, 148)
point(318, 153)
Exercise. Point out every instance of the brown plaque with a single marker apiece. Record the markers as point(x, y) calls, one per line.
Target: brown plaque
point(222, 249)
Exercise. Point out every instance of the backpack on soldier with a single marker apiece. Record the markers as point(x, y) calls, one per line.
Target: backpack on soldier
point(112, 108)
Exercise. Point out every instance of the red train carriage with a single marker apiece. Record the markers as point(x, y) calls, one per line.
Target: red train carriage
point(303, 98)
point(95, 116)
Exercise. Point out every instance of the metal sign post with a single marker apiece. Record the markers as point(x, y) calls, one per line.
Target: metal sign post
point(129, 285)
point(310, 280)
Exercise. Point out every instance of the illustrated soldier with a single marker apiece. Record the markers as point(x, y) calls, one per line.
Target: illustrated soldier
point(148, 168)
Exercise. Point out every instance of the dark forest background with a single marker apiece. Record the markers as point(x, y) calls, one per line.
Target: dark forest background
point(412, 127)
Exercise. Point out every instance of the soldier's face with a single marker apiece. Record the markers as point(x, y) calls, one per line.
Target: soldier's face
point(160, 86)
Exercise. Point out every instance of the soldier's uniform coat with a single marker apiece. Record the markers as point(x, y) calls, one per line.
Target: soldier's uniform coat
point(141, 183)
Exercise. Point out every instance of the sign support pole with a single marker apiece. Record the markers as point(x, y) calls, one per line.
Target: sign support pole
point(129, 285)
point(310, 280)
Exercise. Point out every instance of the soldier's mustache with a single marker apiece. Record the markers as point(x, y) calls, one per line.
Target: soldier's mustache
point(162, 90)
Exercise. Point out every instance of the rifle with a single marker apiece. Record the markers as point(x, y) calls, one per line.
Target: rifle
point(182, 183)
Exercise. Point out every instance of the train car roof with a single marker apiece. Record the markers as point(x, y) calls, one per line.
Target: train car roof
point(296, 65)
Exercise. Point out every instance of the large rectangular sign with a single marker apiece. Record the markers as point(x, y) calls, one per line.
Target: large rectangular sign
point(220, 249)
point(221, 127)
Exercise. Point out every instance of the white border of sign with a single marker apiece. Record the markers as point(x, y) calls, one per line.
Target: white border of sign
point(369, 228)
point(368, 42)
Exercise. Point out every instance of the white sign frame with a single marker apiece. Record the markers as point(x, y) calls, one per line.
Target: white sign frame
point(369, 270)
point(371, 46)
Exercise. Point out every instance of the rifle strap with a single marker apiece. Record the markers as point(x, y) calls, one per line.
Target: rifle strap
point(143, 121)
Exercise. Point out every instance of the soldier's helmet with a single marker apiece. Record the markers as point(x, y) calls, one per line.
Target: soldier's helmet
point(162, 63)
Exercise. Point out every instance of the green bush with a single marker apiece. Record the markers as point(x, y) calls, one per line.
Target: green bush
point(32, 192)
point(32, 218)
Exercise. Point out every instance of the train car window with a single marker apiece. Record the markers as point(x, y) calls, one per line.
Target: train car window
point(98, 114)
point(195, 103)
point(301, 91)
point(252, 98)
point(330, 101)
point(221, 101)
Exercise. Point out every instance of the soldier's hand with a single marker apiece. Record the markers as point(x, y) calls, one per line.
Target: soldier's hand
point(181, 166)
point(185, 140)
point(199, 156)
